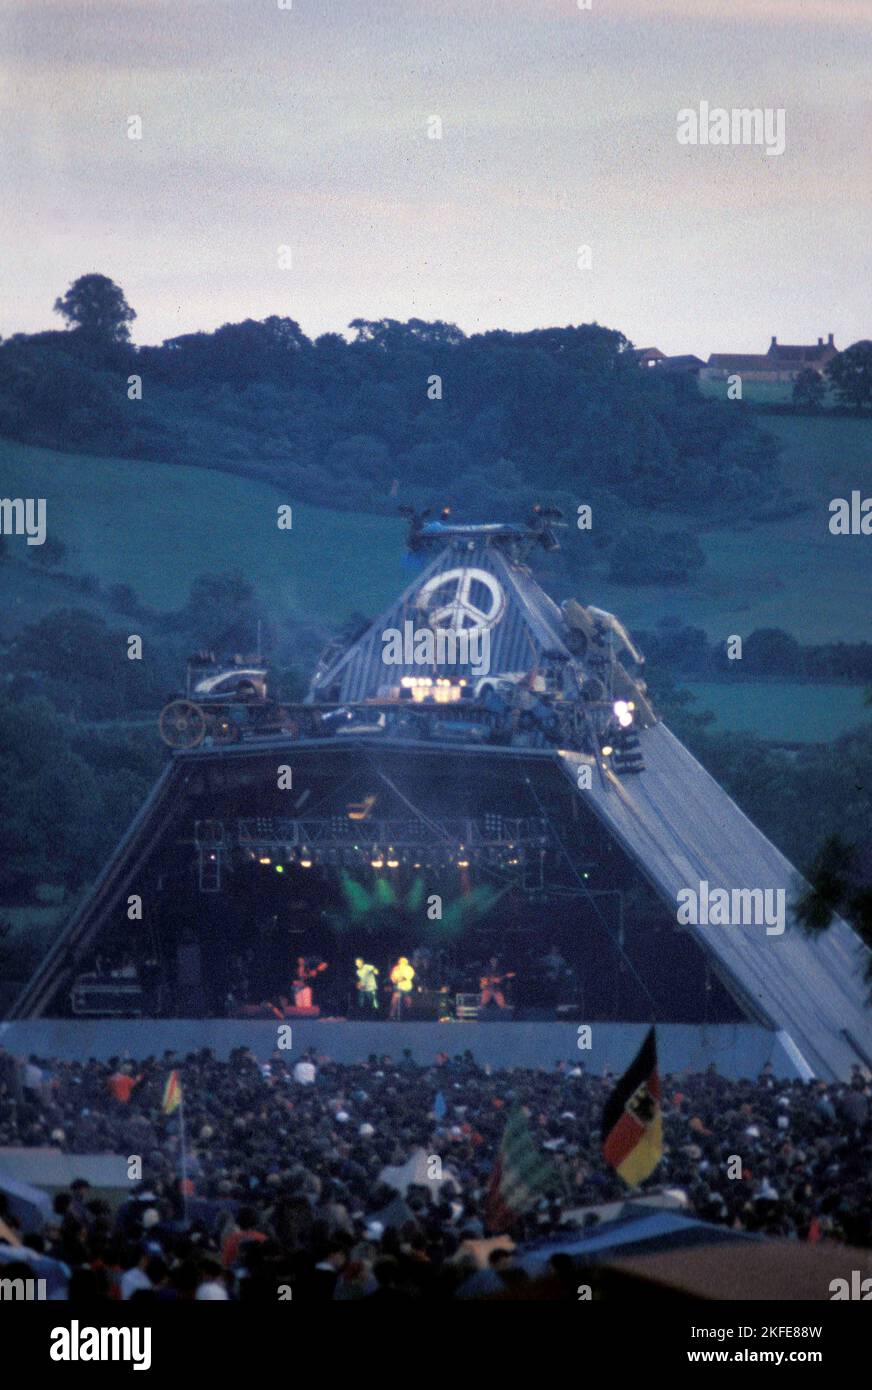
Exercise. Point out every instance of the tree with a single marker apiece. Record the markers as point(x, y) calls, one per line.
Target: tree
point(839, 881)
point(772, 652)
point(809, 389)
point(851, 375)
point(96, 307)
point(647, 555)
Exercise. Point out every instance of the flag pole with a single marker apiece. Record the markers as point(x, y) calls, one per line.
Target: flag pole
point(184, 1154)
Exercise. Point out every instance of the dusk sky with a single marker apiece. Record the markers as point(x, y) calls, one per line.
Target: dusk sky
point(307, 128)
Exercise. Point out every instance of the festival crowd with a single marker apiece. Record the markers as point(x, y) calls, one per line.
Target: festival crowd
point(307, 1178)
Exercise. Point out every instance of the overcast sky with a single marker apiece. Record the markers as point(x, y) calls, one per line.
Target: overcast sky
point(307, 128)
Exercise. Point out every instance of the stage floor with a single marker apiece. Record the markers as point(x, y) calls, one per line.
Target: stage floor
point(735, 1049)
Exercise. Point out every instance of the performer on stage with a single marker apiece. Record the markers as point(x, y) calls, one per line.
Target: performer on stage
point(490, 991)
point(367, 984)
point(554, 965)
point(301, 989)
point(402, 976)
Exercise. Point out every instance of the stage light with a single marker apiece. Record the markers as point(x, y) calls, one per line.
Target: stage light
point(265, 859)
point(622, 713)
point(305, 863)
point(280, 868)
point(393, 863)
point(463, 863)
point(377, 863)
point(607, 750)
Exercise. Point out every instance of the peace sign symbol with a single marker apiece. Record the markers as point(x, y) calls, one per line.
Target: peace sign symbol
point(462, 598)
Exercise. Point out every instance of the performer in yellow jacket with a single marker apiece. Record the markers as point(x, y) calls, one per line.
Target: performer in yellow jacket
point(402, 976)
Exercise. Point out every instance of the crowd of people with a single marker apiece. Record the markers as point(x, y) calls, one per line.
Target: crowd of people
point(307, 1178)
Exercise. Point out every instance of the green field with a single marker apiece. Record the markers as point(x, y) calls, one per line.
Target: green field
point(157, 526)
point(759, 392)
point(789, 710)
point(791, 573)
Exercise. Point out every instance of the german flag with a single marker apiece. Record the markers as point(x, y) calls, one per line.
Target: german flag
point(632, 1122)
point(172, 1096)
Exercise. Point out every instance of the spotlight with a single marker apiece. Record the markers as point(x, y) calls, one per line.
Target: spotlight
point(280, 868)
point(623, 713)
point(264, 859)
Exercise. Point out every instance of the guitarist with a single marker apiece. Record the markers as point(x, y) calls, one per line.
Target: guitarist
point(490, 991)
point(301, 989)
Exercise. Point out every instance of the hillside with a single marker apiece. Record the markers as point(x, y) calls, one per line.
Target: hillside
point(789, 573)
point(156, 526)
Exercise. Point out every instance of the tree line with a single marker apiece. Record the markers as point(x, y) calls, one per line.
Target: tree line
point(409, 410)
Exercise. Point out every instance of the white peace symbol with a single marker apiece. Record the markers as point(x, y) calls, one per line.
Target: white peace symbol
point(460, 612)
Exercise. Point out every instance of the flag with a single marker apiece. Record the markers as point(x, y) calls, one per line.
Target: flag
point(521, 1175)
point(632, 1123)
point(172, 1096)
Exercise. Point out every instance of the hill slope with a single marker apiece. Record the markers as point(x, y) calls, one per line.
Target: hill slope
point(789, 573)
point(157, 526)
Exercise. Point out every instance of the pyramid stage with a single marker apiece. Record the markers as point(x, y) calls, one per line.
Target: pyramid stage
point(527, 822)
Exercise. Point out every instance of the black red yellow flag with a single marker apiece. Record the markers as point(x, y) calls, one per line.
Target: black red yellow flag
point(172, 1096)
point(632, 1122)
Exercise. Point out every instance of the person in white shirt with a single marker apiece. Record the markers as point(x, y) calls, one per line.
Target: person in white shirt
point(135, 1278)
point(367, 984)
point(305, 1071)
point(212, 1288)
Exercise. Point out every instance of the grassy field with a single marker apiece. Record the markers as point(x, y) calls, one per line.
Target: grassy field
point(791, 573)
point(157, 526)
point(759, 392)
point(792, 711)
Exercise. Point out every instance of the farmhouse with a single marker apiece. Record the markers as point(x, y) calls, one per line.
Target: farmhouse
point(653, 357)
point(783, 361)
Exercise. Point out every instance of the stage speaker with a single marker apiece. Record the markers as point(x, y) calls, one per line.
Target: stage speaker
point(429, 1005)
point(189, 978)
